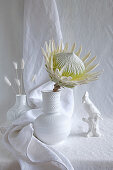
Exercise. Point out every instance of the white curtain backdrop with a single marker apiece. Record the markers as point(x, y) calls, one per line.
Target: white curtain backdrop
point(90, 24)
point(41, 23)
point(87, 22)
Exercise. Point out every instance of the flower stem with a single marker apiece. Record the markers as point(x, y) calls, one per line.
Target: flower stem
point(56, 87)
point(21, 81)
point(19, 90)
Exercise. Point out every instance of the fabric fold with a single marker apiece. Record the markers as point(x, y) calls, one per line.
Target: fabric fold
point(20, 140)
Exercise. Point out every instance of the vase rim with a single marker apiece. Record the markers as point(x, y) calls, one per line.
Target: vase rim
point(18, 95)
point(49, 91)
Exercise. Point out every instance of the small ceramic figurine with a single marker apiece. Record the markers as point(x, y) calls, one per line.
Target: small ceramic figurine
point(94, 116)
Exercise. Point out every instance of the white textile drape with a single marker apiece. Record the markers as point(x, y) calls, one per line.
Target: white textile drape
point(41, 23)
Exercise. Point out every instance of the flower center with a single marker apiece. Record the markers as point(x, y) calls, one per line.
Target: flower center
point(74, 66)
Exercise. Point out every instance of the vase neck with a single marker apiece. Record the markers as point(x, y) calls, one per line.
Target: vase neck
point(51, 102)
point(21, 100)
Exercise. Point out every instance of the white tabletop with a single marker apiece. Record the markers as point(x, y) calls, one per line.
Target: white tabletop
point(84, 153)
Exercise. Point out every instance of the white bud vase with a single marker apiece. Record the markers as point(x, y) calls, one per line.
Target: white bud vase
point(52, 126)
point(20, 107)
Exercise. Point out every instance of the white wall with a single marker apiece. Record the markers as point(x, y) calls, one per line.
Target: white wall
point(11, 44)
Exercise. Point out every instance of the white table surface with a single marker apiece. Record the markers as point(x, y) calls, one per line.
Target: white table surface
point(84, 153)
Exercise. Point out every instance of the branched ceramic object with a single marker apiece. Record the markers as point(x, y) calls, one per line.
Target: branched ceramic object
point(94, 116)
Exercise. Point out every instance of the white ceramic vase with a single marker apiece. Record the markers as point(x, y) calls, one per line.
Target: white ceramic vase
point(52, 126)
point(20, 107)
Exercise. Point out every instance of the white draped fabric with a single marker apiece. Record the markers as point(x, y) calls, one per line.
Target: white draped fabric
point(31, 153)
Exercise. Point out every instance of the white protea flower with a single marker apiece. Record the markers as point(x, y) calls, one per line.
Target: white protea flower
point(66, 68)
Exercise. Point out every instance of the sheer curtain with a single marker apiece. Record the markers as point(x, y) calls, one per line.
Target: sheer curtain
point(90, 24)
point(41, 23)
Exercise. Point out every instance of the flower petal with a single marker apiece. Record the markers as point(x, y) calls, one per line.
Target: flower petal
point(66, 47)
point(86, 57)
point(73, 48)
point(90, 61)
point(90, 68)
point(79, 51)
point(44, 53)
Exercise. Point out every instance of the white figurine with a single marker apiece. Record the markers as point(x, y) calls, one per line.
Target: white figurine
point(94, 116)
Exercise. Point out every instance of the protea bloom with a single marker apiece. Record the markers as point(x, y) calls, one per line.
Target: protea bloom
point(66, 68)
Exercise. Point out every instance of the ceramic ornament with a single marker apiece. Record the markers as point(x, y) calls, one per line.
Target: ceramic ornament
point(94, 116)
point(20, 107)
point(52, 126)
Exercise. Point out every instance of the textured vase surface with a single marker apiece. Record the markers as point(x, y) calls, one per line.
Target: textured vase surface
point(52, 126)
point(20, 107)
